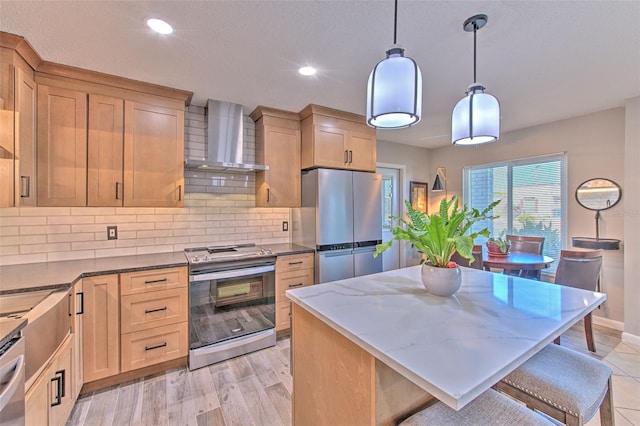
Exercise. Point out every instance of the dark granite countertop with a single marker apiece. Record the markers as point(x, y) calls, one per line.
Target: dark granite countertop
point(54, 275)
point(9, 327)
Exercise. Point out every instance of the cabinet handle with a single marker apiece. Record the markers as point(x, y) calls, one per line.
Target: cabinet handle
point(179, 192)
point(81, 311)
point(58, 398)
point(268, 195)
point(164, 280)
point(296, 263)
point(350, 156)
point(148, 311)
point(69, 303)
point(346, 156)
point(62, 374)
point(25, 186)
point(295, 285)
point(150, 348)
point(117, 190)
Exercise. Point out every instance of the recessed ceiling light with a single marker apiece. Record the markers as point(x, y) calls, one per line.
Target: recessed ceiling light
point(307, 71)
point(159, 26)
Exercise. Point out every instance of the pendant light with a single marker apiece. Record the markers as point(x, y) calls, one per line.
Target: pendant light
point(394, 92)
point(476, 118)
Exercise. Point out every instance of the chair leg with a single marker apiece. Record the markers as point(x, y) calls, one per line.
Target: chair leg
point(588, 330)
point(606, 408)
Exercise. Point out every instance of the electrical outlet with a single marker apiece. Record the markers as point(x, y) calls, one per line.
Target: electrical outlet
point(112, 232)
point(285, 226)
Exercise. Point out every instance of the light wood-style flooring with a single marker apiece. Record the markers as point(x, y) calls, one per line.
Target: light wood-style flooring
point(254, 389)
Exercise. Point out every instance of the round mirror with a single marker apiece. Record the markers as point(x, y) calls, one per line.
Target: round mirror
point(598, 194)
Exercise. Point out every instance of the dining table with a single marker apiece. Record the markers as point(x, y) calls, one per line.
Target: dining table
point(373, 349)
point(516, 261)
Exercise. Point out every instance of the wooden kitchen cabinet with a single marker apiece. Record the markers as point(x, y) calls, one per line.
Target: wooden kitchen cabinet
point(154, 314)
point(336, 139)
point(153, 155)
point(77, 310)
point(292, 271)
point(277, 146)
point(18, 103)
point(101, 327)
point(105, 149)
point(62, 147)
point(50, 399)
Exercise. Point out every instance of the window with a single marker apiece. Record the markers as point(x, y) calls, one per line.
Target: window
point(533, 194)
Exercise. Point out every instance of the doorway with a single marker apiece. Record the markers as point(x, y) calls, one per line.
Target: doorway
point(392, 176)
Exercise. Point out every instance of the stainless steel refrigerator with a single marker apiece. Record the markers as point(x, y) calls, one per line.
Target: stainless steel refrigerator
point(341, 217)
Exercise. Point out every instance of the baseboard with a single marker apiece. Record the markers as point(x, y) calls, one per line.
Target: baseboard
point(631, 338)
point(606, 322)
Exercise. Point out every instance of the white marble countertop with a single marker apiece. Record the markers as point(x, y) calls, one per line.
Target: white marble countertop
point(457, 347)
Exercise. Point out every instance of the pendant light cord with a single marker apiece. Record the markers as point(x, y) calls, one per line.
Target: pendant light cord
point(395, 23)
point(475, 29)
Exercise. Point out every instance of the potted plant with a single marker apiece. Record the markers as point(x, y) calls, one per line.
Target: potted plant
point(498, 246)
point(437, 237)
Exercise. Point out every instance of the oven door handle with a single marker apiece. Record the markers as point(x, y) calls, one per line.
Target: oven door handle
point(16, 369)
point(234, 273)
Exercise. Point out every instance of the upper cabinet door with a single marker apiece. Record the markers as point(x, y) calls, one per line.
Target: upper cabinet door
point(282, 181)
point(362, 151)
point(105, 151)
point(153, 156)
point(62, 147)
point(25, 124)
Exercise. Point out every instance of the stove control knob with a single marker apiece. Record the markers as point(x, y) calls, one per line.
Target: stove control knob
point(206, 258)
point(261, 252)
point(196, 258)
point(269, 251)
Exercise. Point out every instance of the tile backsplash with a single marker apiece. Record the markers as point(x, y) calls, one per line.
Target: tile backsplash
point(218, 209)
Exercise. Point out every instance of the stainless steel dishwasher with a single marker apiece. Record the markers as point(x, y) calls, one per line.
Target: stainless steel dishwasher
point(12, 382)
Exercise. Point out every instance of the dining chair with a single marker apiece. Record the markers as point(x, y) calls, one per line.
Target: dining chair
point(563, 384)
point(489, 408)
point(525, 244)
point(476, 252)
point(580, 269)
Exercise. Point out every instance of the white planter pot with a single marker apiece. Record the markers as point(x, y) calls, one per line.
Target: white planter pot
point(441, 281)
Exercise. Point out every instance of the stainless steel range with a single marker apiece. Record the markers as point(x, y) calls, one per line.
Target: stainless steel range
point(231, 302)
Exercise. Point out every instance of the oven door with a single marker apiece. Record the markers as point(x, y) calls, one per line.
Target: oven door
point(230, 304)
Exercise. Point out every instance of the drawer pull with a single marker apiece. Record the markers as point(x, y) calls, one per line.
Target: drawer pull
point(235, 330)
point(148, 311)
point(150, 348)
point(295, 285)
point(240, 294)
point(164, 280)
point(58, 398)
point(296, 263)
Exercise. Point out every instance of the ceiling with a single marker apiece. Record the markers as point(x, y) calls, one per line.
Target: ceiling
point(543, 60)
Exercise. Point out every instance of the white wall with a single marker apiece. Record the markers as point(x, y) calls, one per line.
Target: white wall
point(632, 222)
point(595, 147)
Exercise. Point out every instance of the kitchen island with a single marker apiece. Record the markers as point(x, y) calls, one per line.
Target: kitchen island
point(371, 349)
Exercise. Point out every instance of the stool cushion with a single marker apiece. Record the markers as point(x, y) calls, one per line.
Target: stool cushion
point(568, 380)
point(490, 408)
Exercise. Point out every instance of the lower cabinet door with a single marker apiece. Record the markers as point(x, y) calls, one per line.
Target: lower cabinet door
point(153, 346)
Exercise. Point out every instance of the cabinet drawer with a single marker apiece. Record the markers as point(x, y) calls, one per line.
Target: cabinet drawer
point(294, 262)
point(147, 310)
point(154, 346)
point(290, 280)
point(283, 315)
point(152, 280)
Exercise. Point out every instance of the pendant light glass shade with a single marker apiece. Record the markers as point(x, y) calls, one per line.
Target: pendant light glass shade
point(394, 92)
point(476, 118)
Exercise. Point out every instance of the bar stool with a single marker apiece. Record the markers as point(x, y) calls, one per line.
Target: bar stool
point(563, 384)
point(490, 408)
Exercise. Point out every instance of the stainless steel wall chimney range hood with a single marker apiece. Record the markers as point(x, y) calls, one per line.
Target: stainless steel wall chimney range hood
point(224, 146)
